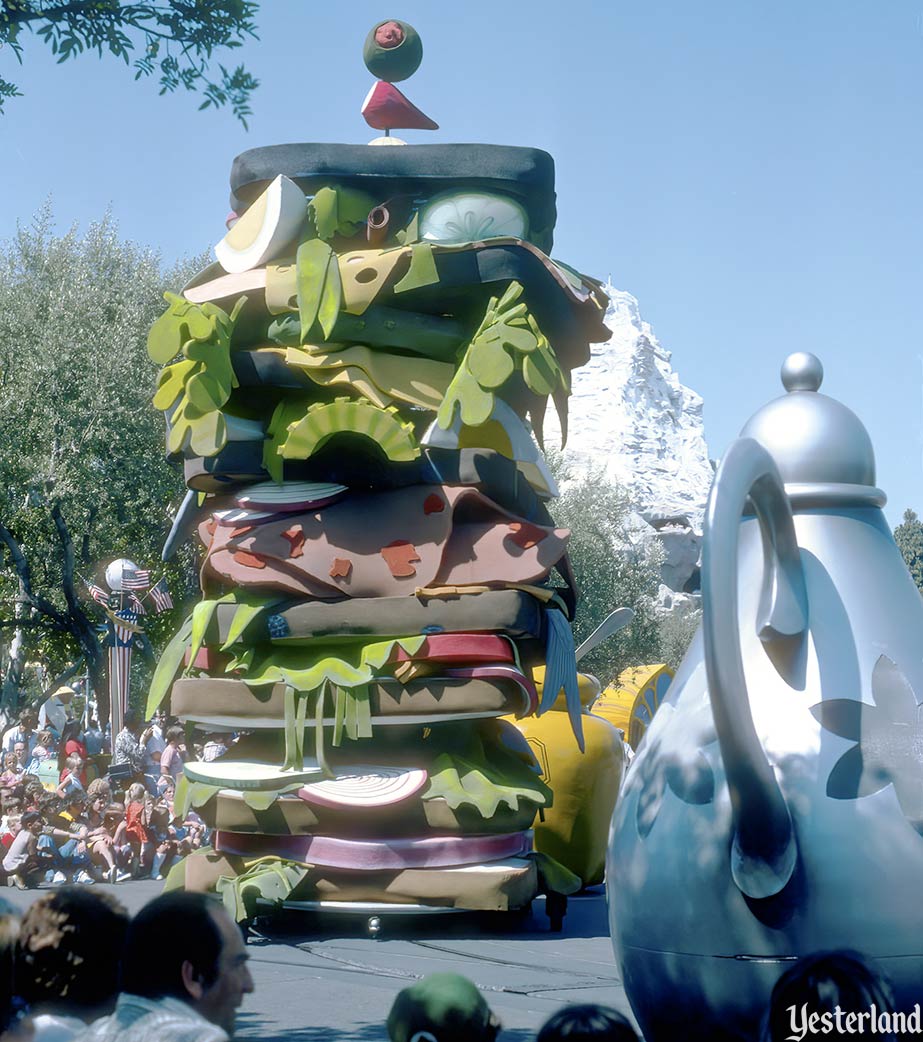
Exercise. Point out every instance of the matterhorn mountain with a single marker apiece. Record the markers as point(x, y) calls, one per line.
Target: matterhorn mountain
point(630, 417)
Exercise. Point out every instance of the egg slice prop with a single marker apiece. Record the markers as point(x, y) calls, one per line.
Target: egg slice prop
point(265, 229)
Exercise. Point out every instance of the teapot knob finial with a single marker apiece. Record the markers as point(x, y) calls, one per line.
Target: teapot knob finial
point(802, 371)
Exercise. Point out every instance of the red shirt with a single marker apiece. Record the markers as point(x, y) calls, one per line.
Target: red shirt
point(134, 826)
point(72, 746)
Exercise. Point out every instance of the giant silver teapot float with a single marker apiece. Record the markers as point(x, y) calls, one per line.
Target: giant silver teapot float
point(776, 805)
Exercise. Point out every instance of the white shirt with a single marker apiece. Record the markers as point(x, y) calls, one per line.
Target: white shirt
point(154, 745)
point(13, 735)
point(152, 1020)
point(52, 1027)
point(18, 854)
point(54, 713)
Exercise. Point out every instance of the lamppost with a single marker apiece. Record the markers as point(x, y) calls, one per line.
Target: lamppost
point(122, 577)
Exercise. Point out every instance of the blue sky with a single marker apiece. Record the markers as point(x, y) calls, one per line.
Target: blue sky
point(751, 172)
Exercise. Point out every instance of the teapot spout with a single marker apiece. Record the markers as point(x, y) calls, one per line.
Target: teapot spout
point(764, 852)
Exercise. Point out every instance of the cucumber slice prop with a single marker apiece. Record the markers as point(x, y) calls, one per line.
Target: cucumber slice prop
point(270, 224)
point(289, 496)
point(250, 774)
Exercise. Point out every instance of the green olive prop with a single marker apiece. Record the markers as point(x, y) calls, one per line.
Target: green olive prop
point(393, 51)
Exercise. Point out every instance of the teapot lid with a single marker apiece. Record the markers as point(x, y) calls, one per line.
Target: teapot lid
point(823, 451)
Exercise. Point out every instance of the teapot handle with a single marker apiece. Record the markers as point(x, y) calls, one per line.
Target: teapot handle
point(764, 852)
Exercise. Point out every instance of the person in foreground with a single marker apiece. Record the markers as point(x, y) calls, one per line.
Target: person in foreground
point(66, 964)
point(184, 975)
point(587, 1023)
point(842, 991)
point(443, 1007)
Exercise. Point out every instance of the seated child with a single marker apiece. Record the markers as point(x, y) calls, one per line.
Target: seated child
point(70, 777)
point(63, 840)
point(12, 770)
point(21, 862)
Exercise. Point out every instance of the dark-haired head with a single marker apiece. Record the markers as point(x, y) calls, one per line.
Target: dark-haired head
point(71, 729)
point(822, 982)
point(185, 946)
point(131, 720)
point(587, 1023)
point(68, 952)
point(9, 930)
point(169, 930)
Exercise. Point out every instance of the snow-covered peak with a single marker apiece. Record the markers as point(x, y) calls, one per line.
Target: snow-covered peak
point(630, 415)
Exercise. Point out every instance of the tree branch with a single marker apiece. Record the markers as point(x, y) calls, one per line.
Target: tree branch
point(40, 623)
point(21, 565)
point(63, 677)
point(19, 560)
point(19, 14)
point(67, 558)
point(79, 623)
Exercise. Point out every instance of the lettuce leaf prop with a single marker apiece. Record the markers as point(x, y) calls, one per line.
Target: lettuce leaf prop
point(191, 635)
point(340, 211)
point(193, 795)
point(267, 879)
point(508, 340)
point(485, 783)
point(286, 413)
point(193, 391)
point(554, 877)
point(250, 605)
point(318, 286)
point(318, 675)
point(309, 668)
point(167, 667)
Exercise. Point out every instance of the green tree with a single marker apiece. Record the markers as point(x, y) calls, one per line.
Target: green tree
point(909, 538)
point(83, 477)
point(174, 40)
point(615, 566)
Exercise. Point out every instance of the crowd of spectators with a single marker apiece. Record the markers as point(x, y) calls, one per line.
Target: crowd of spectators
point(70, 813)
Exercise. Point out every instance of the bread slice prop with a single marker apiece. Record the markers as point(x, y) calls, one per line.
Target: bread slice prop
point(355, 392)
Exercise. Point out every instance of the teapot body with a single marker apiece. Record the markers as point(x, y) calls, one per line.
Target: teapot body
point(698, 957)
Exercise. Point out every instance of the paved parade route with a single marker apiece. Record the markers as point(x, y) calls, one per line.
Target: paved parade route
point(319, 980)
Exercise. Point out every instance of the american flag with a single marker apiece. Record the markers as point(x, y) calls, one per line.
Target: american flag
point(160, 593)
point(137, 606)
point(98, 594)
point(138, 580)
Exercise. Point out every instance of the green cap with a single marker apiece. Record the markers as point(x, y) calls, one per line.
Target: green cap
point(443, 1007)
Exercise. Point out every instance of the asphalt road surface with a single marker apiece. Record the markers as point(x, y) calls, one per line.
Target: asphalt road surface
point(323, 979)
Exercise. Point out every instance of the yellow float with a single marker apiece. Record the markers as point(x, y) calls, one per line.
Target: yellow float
point(630, 703)
point(574, 831)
